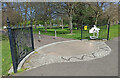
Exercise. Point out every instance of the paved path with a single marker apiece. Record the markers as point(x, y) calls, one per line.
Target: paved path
point(67, 51)
point(106, 66)
point(74, 47)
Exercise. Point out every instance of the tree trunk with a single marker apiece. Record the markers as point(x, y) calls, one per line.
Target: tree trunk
point(108, 19)
point(78, 26)
point(62, 23)
point(96, 20)
point(35, 24)
point(70, 22)
point(45, 27)
point(50, 25)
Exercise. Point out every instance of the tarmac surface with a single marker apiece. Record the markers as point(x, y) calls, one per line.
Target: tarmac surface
point(70, 48)
point(106, 66)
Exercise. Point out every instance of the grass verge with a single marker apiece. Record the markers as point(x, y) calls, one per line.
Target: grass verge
point(77, 33)
point(6, 56)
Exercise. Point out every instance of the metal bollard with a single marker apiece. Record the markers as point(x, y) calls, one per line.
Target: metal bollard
point(39, 39)
point(81, 31)
point(108, 31)
point(55, 35)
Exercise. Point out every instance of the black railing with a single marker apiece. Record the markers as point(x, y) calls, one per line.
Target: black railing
point(21, 43)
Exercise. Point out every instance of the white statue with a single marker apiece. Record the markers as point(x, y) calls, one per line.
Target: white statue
point(94, 30)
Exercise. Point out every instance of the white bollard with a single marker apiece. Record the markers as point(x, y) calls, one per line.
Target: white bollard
point(39, 37)
point(55, 35)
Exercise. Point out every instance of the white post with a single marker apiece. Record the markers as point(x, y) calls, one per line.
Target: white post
point(55, 34)
point(39, 37)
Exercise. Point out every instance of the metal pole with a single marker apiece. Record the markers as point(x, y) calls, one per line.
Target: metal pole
point(108, 31)
point(32, 40)
point(39, 39)
point(12, 47)
point(55, 34)
point(81, 31)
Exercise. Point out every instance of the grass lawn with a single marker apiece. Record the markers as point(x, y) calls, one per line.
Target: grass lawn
point(114, 31)
point(77, 33)
point(6, 56)
point(0, 59)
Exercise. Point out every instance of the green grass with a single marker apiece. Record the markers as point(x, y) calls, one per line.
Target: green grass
point(114, 31)
point(0, 59)
point(77, 33)
point(6, 56)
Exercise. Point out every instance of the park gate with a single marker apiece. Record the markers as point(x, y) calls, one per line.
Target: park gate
point(21, 43)
point(103, 32)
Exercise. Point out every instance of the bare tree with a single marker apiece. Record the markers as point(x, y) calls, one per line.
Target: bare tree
point(69, 8)
point(111, 13)
point(10, 12)
point(44, 12)
point(60, 12)
point(66, 8)
point(98, 9)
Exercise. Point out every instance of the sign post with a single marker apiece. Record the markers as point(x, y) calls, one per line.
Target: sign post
point(81, 31)
point(108, 31)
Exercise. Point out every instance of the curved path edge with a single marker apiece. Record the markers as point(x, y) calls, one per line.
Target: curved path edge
point(40, 59)
point(24, 59)
point(65, 58)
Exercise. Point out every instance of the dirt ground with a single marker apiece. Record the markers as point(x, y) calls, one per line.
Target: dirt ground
point(46, 40)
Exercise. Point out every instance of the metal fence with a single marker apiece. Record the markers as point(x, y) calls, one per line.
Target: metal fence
point(103, 32)
point(21, 43)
